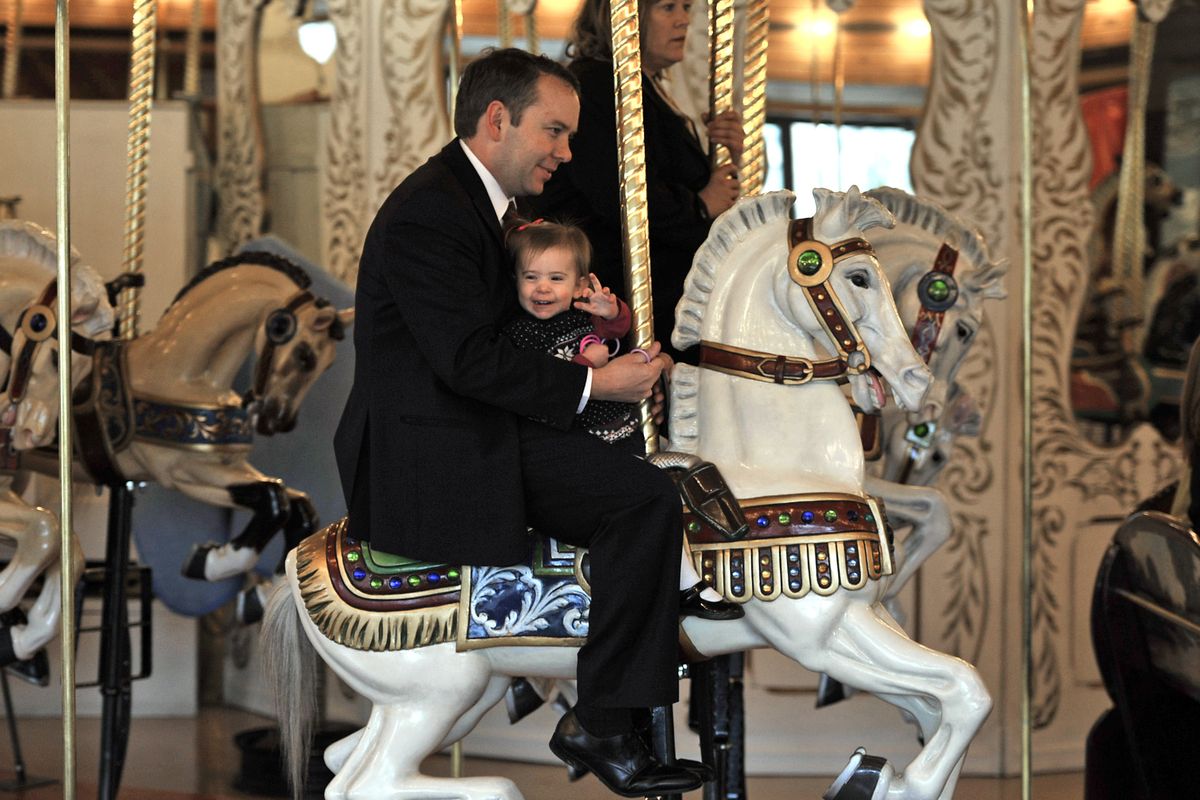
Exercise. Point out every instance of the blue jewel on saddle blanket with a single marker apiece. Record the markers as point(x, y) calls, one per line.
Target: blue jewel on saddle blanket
point(539, 602)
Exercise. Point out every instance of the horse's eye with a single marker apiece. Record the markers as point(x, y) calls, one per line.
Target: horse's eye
point(305, 357)
point(860, 280)
point(965, 331)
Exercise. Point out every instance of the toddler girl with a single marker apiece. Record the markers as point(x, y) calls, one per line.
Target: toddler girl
point(568, 314)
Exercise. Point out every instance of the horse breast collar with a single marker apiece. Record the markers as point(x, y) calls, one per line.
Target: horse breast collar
point(810, 265)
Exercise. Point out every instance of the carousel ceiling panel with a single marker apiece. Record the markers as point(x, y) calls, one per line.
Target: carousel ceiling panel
point(885, 42)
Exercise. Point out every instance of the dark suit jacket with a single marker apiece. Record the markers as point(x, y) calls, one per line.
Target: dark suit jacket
point(427, 446)
point(586, 190)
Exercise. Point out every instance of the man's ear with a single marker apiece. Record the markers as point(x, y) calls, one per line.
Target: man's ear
point(495, 116)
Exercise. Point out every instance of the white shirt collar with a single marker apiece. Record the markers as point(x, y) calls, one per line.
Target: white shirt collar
point(500, 201)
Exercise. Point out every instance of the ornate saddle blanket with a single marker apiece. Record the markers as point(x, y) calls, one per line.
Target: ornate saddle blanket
point(795, 545)
point(369, 600)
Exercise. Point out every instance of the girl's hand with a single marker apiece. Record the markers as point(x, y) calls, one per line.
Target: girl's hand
point(597, 300)
point(596, 353)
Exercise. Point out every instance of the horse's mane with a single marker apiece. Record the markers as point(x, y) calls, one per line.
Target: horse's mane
point(730, 229)
point(31, 242)
point(27, 240)
point(937, 220)
point(259, 258)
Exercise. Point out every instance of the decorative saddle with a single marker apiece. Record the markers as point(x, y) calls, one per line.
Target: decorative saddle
point(768, 548)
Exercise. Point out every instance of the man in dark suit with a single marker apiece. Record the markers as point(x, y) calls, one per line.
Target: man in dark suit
point(453, 440)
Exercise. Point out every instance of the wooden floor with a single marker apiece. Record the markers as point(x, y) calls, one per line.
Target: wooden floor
point(195, 759)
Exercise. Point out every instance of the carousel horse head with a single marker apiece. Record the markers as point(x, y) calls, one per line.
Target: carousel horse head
point(941, 273)
point(28, 258)
point(811, 289)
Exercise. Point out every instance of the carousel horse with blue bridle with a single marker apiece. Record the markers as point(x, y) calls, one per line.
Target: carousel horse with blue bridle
point(783, 310)
point(162, 407)
point(941, 274)
point(28, 286)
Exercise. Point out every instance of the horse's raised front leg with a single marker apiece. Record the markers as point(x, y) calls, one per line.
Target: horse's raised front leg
point(926, 510)
point(34, 531)
point(944, 693)
point(234, 486)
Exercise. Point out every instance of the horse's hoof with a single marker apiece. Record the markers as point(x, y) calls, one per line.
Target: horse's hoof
point(866, 777)
point(193, 567)
point(36, 668)
point(829, 691)
point(521, 699)
point(250, 608)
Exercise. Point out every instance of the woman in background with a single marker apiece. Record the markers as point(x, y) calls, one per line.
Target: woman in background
point(684, 193)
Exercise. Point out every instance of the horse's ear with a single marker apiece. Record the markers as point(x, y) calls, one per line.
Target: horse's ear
point(990, 281)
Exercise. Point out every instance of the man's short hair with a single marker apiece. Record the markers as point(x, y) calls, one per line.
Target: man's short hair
point(510, 76)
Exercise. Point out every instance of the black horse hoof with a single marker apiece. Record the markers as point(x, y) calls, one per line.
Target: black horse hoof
point(193, 567)
point(36, 668)
point(249, 606)
point(521, 700)
point(861, 779)
point(829, 691)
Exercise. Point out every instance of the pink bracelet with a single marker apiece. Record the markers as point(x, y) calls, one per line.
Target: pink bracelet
point(642, 353)
point(588, 341)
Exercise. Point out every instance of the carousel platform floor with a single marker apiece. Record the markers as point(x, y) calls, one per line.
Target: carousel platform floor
point(195, 759)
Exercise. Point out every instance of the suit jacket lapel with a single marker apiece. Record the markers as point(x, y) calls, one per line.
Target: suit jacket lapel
point(464, 171)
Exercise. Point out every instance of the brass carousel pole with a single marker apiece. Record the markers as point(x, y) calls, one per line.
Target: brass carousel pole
point(191, 58)
point(533, 42)
point(631, 159)
point(141, 100)
point(455, 25)
point(504, 24)
point(12, 48)
point(1027, 578)
point(62, 103)
point(754, 104)
point(721, 78)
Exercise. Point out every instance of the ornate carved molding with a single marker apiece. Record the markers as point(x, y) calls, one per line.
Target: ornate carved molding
point(241, 204)
point(344, 188)
point(959, 162)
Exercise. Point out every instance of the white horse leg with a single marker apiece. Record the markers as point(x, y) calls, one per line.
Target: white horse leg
point(35, 533)
point(45, 613)
point(926, 510)
point(467, 722)
point(868, 652)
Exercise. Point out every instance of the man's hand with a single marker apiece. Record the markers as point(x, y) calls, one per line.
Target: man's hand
point(662, 390)
point(628, 378)
point(722, 190)
point(597, 354)
point(597, 299)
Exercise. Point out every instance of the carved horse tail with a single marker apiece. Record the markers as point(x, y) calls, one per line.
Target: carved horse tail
point(291, 665)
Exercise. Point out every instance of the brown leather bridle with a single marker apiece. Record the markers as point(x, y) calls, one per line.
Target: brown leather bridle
point(39, 323)
point(810, 264)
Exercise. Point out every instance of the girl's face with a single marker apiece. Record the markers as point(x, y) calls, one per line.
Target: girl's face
point(548, 282)
point(664, 32)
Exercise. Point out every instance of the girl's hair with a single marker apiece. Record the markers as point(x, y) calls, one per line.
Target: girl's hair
point(527, 240)
point(591, 33)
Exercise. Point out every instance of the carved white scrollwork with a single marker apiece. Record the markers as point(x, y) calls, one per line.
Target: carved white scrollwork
point(242, 205)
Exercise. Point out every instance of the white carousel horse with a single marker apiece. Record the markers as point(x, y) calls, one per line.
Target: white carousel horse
point(28, 266)
point(184, 426)
point(941, 274)
point(772, 441)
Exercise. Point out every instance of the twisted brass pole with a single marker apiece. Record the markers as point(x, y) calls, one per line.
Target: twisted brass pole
point(533, 42)
point(455, 24)
point(12, 47)
point(141, 100)
point(504, 25)
point(66, 526)
point(754, 103)
point(631, 160)
point(191, 58)
point(1129, 235)
point(721, 77)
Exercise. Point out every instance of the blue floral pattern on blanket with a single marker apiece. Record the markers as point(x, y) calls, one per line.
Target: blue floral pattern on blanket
point(540, 600)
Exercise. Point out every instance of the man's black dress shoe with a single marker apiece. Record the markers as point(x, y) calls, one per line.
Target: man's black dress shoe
point(692, 604)
point(622, 763)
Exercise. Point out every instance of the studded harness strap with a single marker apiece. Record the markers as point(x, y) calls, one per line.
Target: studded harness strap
point(281, 327)
point(937, 291)
point(38, 322)
point(810, 265)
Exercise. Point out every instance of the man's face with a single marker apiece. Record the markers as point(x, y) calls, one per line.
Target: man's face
point(529, 153)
